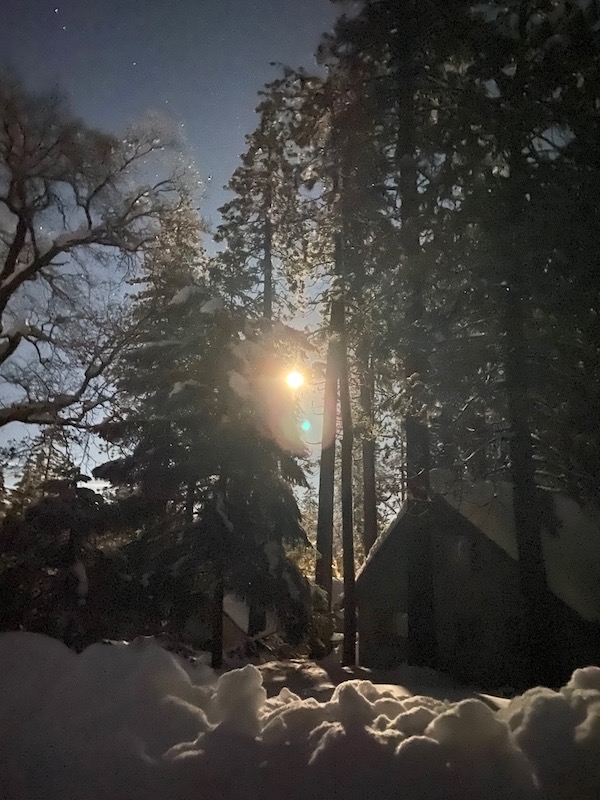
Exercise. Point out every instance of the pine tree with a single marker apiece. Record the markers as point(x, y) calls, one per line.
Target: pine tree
point(473, 232)
point(49, 462)
point(532, 123)
point(263, 225)
point(381, 57)
point(208, 430)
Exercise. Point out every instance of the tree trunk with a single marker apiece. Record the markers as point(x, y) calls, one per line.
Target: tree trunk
point(216, 649)
point(421, 618)
point(542, 656)
point(257, 619)
point(415, 362)
point(256, 613)
point(417, 458)
point(190, 498)
point(537, 620)
point(323, 571)
point(268, 269)
point(422, 641)
point(224, 527)
point(448, 456)
point(368, 452)
point(349, 649)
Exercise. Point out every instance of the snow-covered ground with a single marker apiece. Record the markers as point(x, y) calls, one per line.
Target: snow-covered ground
point(132, 722)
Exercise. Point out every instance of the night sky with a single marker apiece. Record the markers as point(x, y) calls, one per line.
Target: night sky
point(202, 63)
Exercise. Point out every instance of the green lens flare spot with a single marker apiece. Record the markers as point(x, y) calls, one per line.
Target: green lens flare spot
point(306, 426)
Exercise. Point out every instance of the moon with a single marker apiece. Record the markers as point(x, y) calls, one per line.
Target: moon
point(295, 380)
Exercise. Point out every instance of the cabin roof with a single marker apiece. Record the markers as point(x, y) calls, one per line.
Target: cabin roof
point(571, 551)
point(384, 571)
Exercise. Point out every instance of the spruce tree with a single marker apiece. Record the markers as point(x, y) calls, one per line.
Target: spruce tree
point(206, 429)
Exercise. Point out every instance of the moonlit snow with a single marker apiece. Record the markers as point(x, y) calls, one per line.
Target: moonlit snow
point(122, 722)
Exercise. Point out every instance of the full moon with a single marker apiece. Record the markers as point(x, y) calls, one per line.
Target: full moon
point(295, 380)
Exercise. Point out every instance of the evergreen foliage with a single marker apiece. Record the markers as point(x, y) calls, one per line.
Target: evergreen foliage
point(209, 429)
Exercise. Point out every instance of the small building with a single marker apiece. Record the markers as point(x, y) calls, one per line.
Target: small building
point(459, 556)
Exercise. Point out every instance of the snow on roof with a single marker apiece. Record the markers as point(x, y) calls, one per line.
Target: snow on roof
point(572, 555)
point(237, 610)
point(126, 721)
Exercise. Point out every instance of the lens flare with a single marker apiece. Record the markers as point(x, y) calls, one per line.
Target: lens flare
point(306, 426)
point(295, 380)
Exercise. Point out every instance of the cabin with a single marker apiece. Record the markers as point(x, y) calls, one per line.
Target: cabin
point(457, 551)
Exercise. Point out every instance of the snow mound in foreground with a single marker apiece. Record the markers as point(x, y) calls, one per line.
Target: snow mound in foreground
point(129, 722)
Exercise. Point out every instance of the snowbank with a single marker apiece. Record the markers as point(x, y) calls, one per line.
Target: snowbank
point(130, 721)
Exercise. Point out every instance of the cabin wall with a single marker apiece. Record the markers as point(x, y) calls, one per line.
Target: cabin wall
point(478, 608)
point(381, 637)
point(476, 604)
point(577, 640)
point(381, 603)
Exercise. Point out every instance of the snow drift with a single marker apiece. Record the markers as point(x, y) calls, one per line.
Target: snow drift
point(124, 722)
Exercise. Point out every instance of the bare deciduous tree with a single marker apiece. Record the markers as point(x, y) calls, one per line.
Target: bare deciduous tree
point(76, 207)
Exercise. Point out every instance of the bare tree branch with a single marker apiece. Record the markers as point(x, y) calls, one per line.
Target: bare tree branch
point(56, 315)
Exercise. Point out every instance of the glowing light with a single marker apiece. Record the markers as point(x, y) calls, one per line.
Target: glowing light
point(295, 380)
point(306, 426)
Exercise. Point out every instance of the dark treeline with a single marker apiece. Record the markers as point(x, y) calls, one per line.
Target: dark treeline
point(447, 185)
